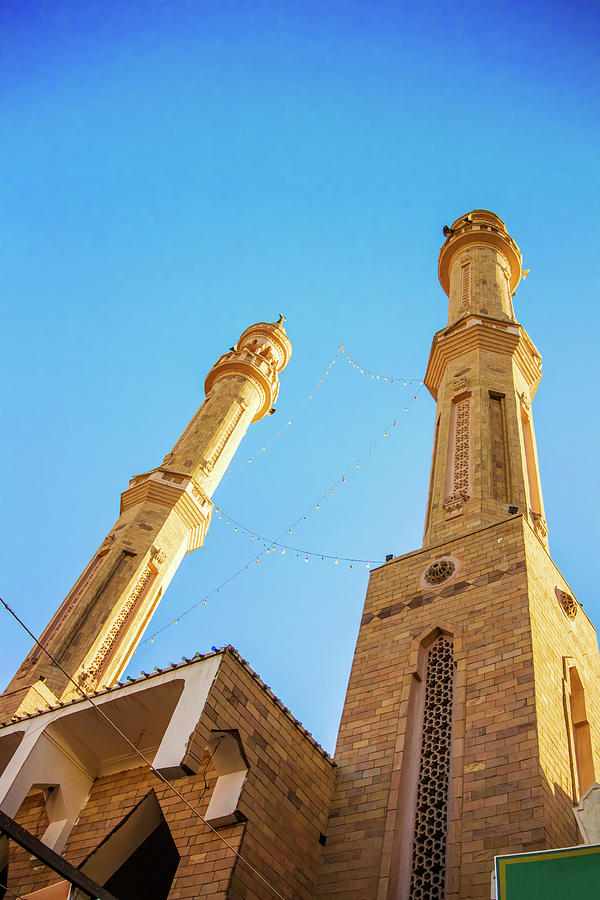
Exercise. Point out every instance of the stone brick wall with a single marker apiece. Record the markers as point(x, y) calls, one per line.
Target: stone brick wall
point(24, 871)
point(559, 643)
point(477, 374)
point(488, 286)
point(288, 789)
point(509, 746)
point(285, 799)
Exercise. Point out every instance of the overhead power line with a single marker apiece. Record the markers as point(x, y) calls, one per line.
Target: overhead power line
point(139, 753)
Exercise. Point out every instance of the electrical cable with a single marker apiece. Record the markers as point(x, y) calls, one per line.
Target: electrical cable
point(273, 544)
point(205, 769)
point(141, 755)
point(5, 887)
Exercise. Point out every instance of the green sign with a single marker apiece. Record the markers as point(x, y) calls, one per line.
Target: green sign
point(549, 874)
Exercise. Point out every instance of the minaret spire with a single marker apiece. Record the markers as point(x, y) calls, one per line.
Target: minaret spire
point(483, 371)
point(164, 513)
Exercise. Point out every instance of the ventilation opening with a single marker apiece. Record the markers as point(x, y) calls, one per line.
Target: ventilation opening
point(428, 875)
point(139, 857)
point(465, 285)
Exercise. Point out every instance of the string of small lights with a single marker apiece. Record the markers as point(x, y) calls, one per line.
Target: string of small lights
point(269, 546)
point(309, 397)
point(292, 418)
point(391, 379)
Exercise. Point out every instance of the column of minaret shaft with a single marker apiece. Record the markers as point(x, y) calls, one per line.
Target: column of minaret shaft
point(470, 725)
point(164, 514)
point(483, 371)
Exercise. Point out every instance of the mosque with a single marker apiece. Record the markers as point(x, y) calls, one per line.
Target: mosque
point(470, 728)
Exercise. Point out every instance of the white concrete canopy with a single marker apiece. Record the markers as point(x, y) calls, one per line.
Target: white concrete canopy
point(63, 750)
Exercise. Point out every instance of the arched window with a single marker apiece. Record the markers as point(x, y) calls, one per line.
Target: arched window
point(584, 759)
point(419, 861)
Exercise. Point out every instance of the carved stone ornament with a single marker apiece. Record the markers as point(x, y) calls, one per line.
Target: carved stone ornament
point(440, 570)
point(174, 479)
point(158, 556)
point(461, 463)
point(525, 401)
point(569, 605)
point(107, 542)
point(460, 384)
point(539, 524)
point(455, 502)
point(90, 674)
point(198, 495)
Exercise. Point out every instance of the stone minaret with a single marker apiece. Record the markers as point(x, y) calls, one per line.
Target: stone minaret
point(164, 514)
point(472, 720)
point(483, 372)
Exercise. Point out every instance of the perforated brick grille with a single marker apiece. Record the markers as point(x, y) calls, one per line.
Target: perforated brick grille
point(439, 571)
point(465, 285)
point(461, 449)
point(428, 874)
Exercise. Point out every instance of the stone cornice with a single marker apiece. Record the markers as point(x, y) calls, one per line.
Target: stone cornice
point(481, 333)
point(175, 490)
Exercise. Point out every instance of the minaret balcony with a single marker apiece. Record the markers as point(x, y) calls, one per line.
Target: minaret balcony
point(177, 491)
point(478, 332)
point(253, 366)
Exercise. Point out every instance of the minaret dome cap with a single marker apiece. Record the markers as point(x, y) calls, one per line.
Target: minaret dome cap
point(478, 227)
point(273, 334)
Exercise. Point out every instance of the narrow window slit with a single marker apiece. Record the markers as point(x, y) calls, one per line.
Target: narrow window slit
point(428, 871)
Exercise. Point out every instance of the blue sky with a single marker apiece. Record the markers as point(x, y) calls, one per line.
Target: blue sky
point(174, 171)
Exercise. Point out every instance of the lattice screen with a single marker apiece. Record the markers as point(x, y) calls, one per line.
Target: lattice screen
point(461, 448)
point(428, 876)
point(465, 285)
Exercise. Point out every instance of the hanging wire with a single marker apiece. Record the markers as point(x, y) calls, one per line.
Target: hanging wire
point(392, 379)
point(267, 549)
point(272, 545)
point(5, 887)
point(309, 397)
point(292, 418)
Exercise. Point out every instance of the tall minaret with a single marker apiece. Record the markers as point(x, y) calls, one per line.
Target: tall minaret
point(483, 372)
point(471, 726)
point(164, 514)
